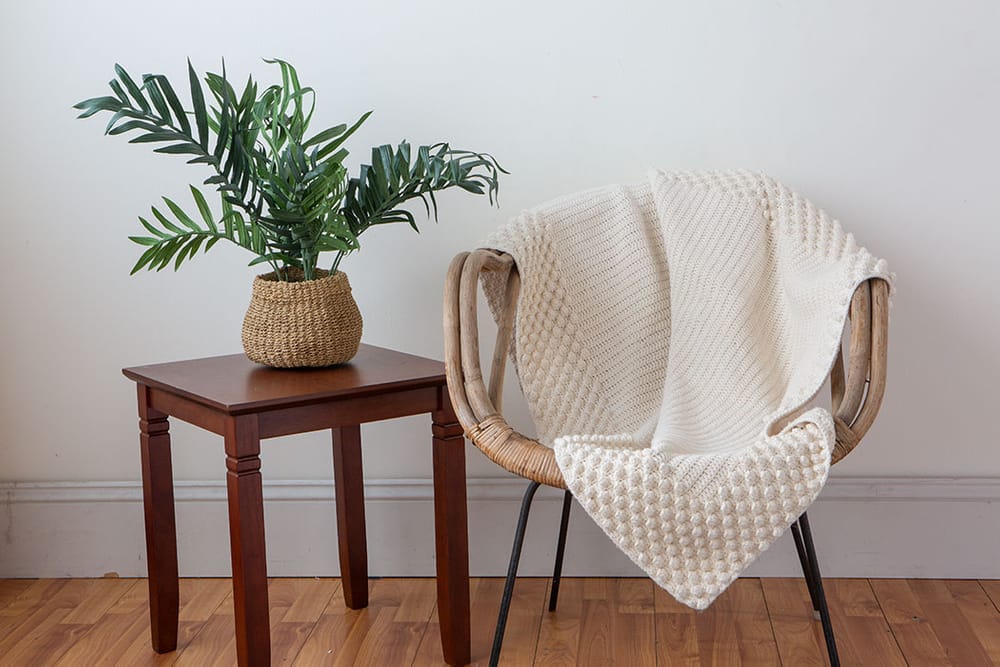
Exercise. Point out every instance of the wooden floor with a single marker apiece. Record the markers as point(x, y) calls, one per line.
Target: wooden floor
point(599, 622)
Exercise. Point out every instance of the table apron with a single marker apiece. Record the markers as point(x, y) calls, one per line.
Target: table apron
point(187, 410)
point(303, 418)
point(349, 411)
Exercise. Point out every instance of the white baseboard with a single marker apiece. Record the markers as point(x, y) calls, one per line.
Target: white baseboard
point(863, 526)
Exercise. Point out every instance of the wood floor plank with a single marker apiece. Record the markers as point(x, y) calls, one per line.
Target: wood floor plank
point(42, 639)
point(287, 639)
point(735, 629)
point(862, 633)
point(379, 598)
point(798, 634)
point(388, 631)
point(288, 599)
point(520, 644)
point(416, 600)
point(524, 618)
point(676, 631)
point(108, 641)
point(214, 645)
point(135, 601)
point(598, 621)
point(306, 598)
point(211, 608)
point(429, 652)
point(122, 636)
point(57, 619)
point(404, 609)
point(526, 608)
point(992, 588)
point(295, 605)
point(953, 629)
point(97, 598)
point(979, 611)
point(596, 643)
point(617, 622)
point(201, 598)
point(10, 589)
point(108, 623)
point(676, 636)
point(387, 642)
point(18, 611)
point(329, 635)
point(559, 631)
point(634, 620)
point(913, 632)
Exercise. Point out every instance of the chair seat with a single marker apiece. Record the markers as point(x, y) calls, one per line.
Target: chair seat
point(516, 453)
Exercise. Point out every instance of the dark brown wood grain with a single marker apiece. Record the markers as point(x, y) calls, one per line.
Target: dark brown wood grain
point(246, 403)
point(233, 384)
point(350, 500)
point(348, 411)
point(451, 524)
point(161, 533)
point(246, 540)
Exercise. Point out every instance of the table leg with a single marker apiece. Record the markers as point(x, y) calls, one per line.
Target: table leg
point(246, 540)
point(451, 525)
point(161, 531)
point(349, 483)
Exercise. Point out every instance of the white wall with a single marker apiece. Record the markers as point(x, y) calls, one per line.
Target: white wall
point(885, 113)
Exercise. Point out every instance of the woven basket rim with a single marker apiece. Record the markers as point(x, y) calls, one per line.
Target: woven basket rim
point(267, 283)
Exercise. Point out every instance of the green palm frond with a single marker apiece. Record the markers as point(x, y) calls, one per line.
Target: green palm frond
point(285, 195)
point(397, 175)
point(175, 236)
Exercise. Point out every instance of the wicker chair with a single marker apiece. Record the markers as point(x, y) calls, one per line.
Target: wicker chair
point(856, 397)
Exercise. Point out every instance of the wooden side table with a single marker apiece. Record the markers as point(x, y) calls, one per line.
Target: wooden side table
point(245, 403)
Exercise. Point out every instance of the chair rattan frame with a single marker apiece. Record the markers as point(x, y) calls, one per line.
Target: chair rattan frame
point(857, 391)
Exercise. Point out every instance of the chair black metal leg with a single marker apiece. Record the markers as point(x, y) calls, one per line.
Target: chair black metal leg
point(560, 550)
point(811, 571)
point(806, 567)
point(515, 558)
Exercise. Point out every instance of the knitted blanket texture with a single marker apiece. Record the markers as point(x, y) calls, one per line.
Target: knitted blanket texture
point(669, 339)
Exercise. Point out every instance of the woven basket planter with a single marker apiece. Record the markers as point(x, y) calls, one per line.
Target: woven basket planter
point(302, 323)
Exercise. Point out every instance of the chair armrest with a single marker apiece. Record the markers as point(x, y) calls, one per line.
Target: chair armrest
point(477, 406)
point(857, 399)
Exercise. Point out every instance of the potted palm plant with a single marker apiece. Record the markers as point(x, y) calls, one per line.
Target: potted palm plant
point(284, 194)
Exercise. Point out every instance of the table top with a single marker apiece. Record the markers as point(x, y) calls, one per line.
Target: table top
point(235, 385)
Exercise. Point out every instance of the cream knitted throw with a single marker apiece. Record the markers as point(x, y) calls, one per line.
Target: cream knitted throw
point(668, 339)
